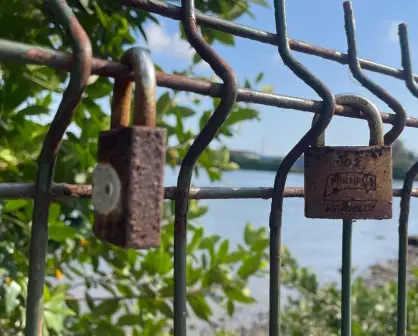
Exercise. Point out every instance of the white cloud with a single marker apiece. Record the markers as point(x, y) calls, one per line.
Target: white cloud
point(160, 41)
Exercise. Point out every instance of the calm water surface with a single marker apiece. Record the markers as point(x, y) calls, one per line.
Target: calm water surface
point(314, 242)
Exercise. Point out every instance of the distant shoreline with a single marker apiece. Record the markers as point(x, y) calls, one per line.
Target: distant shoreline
point(256, 162)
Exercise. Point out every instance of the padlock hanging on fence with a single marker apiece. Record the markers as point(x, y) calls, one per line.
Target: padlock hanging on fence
point(350, 182)
point(128, 181)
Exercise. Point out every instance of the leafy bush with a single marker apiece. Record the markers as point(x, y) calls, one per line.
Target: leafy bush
point(138, 284)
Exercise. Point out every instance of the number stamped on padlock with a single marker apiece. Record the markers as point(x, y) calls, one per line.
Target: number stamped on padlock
point(348, 182)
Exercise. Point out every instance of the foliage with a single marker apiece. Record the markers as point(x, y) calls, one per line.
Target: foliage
point(138, 284)
point(315, 310)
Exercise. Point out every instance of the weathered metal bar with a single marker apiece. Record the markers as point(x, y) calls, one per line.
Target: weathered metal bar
point(24, 53)
point(346, 278)
point(11, 191)
point(173, 12)
point(201, 142)
point(366, 82)
point(80, 72)
point(401, 327)
point(403, 248)
point(276, 212)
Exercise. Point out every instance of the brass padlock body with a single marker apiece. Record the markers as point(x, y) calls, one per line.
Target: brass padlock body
point(137, 155)
point(348, 182)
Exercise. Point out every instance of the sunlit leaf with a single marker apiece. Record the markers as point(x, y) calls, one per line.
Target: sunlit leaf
point(12, 292)
point(200, 306)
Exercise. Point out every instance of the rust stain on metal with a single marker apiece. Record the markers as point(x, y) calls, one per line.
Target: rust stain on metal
point(121, 103)
point(348, 182)
point(39, 56)
point(131, 215)
point(138, 156)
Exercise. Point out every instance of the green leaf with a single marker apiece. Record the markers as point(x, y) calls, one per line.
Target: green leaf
point(223, 251)
point(90, 302)
point(249, 234)
point(196, 210)
point(250, 266)
point(230, 307)
point(164, 103)
point(238, 294)
point(209, 242)
point(129, 320)
point(125, 290)
point(197, 238)
point(99, 89)
point(262, 3)
point(193, 275)
point(267, 88)
point(224, 38)
point(54, 213)
point(200, 306)
point(106, 307)
point(34, 110)
point(259, 77)
point(164, 308)
point(60, 232)
point(182, 111)
point(204, 118)
point(163, 262)
point(54, 321)
point(12, 292)
point(260, 245)
point(74, 306)
point(11, 206)
point(196, 58)
point(236, 256)
point(241, 115)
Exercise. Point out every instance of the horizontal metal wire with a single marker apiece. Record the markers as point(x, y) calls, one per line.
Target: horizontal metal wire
point(174, 12)
point(23, 53)
point(12, 191)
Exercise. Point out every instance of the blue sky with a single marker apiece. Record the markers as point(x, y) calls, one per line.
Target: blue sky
point(317, 22)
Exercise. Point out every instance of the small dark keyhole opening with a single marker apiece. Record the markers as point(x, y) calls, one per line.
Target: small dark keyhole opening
point(108, 189)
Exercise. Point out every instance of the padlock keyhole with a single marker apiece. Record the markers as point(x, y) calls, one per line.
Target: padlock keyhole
point(108, 188)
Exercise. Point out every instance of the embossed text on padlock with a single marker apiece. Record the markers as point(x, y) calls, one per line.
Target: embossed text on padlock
point(128, 185)
point(350, 182)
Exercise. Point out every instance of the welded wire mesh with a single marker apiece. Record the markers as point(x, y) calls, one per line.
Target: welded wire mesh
point(81, 64)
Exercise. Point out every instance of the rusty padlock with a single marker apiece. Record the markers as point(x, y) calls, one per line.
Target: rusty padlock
point(350, 182)
point(128, 181)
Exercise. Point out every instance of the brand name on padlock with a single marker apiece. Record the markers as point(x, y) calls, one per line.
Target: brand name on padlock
point(338, 182)
point(335, 189)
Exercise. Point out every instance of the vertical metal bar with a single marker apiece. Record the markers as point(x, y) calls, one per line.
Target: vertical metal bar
point(39, 233)
point(372, 115)
point(403, 248)
point(275, 221)
point(346, 279)
point(358, 74)
point(406, 196)
point(228, 98)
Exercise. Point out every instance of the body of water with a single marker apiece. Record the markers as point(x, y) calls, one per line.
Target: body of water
point(315, 243)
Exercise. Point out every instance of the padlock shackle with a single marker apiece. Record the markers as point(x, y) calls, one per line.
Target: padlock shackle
point(369, 110)
point(145, 86)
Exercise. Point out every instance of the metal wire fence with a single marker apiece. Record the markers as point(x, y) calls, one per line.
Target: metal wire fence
point(81, 64)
